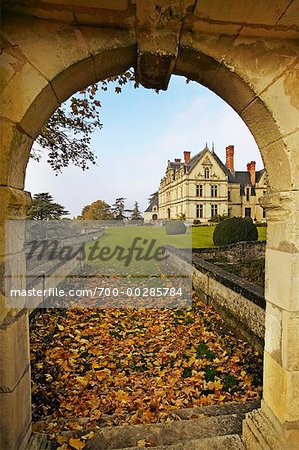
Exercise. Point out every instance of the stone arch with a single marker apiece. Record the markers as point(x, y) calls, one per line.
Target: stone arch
point(42, 70)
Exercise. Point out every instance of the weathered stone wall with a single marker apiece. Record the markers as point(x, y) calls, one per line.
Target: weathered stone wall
point(241, 303)
point(234, 252)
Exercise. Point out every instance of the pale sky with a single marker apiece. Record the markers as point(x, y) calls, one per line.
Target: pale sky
point(141, 131)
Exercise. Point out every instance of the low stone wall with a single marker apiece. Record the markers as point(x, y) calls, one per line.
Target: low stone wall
point(233, 252)
point(240, 302)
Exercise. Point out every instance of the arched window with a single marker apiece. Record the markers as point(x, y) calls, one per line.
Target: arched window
point(207, 172)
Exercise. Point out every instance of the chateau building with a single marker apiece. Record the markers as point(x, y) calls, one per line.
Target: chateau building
point(202, 187)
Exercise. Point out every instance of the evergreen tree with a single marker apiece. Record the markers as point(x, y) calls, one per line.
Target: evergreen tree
point(43, 207)
point(136, 214)
point(118, 208)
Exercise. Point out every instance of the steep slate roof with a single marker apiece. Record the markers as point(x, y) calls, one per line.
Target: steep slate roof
point(259, 174)
point(240, 177)
point(154, 202)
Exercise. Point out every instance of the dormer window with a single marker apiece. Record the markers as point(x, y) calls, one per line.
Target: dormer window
point(207, 172)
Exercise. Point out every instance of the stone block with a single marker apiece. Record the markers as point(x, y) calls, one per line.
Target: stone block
point(20, 92)
point(282, 279)
point(50, 46)
point(290, 340)
point(282, 99)
point(291, 143)
point(273, 326)
point(6, 65)
point(277, 162)
point(74, 78)
point(14, 352)
point(115, 61)
point(15, 149)
point(195, 65)
point(15, 417)
point(99, 40)
point(39, 111)
point(267, 13)
point(281, 390)
point(229, 86)
point(255, 114)
point(14, 203)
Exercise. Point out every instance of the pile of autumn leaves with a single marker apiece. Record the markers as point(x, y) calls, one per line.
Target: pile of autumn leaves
point(95, 367)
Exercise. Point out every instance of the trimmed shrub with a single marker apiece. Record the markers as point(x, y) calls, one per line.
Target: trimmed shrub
point(235, 229)
point(175, 227)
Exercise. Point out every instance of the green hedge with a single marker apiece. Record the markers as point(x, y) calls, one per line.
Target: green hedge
point(235, 229)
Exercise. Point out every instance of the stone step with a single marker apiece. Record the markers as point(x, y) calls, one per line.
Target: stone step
point(165, 434)
point(231, 442)
point(262, 434)
point(199, 427)
point(39, 441)
point(218, 410)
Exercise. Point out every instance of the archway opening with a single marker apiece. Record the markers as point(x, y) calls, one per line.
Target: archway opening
point(104, 372)
point(23, 125)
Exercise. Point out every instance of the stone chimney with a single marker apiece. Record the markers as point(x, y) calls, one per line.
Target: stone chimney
point(177, 160)
point(230, 158)
point(251, 170)
point(187, 156)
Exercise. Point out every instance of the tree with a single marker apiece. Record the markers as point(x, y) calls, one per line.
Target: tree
point(98, 210)
point(136, 214)
point(44, 208)
point(118, 208)
point(67, 135)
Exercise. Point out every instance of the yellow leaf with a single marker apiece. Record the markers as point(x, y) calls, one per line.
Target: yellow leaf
point(76, 443)
point(141, 443)
point(96, 366)
point(217, 385)
point(96, 414)
point(82, 380)
point(61, 439)
point(60, 327)
point(122, 396)
point(88, 436)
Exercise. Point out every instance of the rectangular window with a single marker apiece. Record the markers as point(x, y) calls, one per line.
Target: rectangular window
point(214, 210)
point(199, 211)
point(214, 190)
point(228, 196)
point(247, 194)
point(264, 213)
point(199, 190)
point(247, 212)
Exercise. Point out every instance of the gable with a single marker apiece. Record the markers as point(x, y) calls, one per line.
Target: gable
point(211, 161)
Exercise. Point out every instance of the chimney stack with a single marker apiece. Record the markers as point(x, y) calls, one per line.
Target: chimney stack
point(230, 158)
point(251, 170)
point(187, 156)
point(177, 160)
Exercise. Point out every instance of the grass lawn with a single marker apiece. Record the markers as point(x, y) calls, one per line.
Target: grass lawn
point(201, 236)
